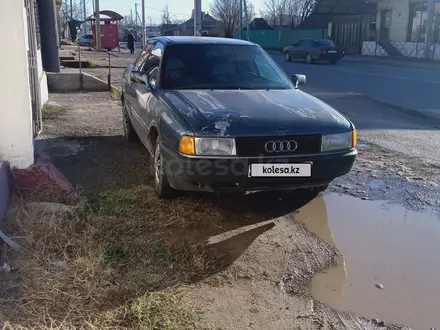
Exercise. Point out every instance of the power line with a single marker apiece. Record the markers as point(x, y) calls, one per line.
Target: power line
point(161, 10)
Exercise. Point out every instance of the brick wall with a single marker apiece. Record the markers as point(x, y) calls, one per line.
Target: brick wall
point(399, 18)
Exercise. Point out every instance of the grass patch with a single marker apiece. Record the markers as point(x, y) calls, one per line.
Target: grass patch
point(116, 93)
point(91, 64)
point(50, 111)
point(153, 312)
point(115, 262)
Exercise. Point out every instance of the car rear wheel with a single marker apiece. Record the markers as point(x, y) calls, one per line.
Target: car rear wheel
point(287, 57)
point(309, 59)
point(333, 62)
point(161, 184)
point(129, 132)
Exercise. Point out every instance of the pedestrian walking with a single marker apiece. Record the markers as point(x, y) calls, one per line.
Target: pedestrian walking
point(130, 42)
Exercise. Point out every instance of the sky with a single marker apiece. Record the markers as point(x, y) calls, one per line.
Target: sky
point(179, 9)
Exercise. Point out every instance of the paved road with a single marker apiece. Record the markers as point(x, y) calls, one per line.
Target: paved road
point(408, 87)
point(385, 126)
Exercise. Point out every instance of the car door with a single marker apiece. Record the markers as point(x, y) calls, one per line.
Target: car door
point(304, 48)
point(144, 94)
point(129, 88)
point(296, 49)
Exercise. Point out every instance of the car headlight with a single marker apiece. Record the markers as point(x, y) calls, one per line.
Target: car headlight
point(340, 141)
point(191, 145)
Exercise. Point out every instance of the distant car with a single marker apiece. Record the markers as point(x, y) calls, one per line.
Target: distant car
point(86, 40)
point(313, 50)
point(219, 115)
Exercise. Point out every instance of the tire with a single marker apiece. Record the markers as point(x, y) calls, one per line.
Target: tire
point(309, 59)
point(129, 133)
point(161, 184)
point(333, 62)
point(287, 57)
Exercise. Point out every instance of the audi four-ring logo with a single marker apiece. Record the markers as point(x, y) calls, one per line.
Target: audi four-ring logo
point(281, 146)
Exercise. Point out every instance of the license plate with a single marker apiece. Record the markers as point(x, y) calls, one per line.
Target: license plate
point(280, 170)
point(332, 51)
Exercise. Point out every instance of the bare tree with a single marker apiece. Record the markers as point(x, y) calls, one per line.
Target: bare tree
point(165, 17)
point(287, 12)
point(228, 13)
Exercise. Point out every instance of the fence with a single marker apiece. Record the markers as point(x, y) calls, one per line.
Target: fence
point(277, 39)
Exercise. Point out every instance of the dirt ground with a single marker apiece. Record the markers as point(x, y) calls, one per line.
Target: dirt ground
point(235, 263)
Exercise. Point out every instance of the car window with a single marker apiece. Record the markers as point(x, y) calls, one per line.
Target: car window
point(217, 66)
point(152, 76)
point(323, 43)
point(138, 64)
point(158, 49)
point(299, 43)
point(265, 70)
point(154, 58)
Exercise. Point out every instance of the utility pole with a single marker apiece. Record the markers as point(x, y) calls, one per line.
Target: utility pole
point(84, 16)
point(136, 14)
point(131, 18)
point(246, 17)
point(71, 9)
point(429, 24)
point(97, 26)
point(241, 18)
point(197, 17)
point(144, 31)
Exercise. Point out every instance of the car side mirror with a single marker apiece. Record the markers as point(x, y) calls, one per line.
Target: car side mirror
point(299, 79)
point(139, 77)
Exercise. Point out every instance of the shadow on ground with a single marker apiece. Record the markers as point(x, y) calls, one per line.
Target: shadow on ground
point(166, 237)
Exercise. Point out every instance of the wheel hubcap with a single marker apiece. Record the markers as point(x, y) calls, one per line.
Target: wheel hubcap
point(157, 165)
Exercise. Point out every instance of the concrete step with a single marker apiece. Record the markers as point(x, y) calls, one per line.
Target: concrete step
point(74, 63)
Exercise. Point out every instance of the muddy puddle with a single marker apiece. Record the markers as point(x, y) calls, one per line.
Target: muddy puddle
point(391, 270)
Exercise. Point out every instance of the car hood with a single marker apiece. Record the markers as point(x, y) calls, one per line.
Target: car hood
point(256, 112)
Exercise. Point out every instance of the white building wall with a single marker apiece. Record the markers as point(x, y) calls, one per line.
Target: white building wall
point(16, 138)
point(42, 76)
point(399, 17)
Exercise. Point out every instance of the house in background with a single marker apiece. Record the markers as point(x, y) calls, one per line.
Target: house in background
point(23, 90)
point(210, 27)
point(401, 26)
point(259, 24)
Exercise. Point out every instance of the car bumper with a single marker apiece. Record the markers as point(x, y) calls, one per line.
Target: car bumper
point(329, 57)
point(231, 175)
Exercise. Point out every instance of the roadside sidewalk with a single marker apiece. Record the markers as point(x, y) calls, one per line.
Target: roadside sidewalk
point(402, 62)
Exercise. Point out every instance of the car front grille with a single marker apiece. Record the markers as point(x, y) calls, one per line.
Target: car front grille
point(255, 146)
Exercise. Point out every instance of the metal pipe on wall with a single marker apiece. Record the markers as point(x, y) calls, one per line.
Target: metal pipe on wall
point(49, 35)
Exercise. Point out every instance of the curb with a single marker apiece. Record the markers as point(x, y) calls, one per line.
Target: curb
point(434, 121)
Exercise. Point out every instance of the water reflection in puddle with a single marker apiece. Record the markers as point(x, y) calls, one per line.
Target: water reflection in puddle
point(382, 244)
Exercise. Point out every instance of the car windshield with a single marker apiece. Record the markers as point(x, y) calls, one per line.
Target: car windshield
point(214, 66)
point(324, 43)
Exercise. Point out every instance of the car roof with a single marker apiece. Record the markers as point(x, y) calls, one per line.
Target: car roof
point(168, 40)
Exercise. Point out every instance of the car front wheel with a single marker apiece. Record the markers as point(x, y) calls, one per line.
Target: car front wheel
point(161, 184)
point(129, 132)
